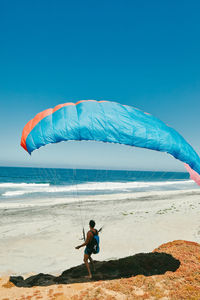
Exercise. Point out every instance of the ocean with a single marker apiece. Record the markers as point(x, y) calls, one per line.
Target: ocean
point(44, 210)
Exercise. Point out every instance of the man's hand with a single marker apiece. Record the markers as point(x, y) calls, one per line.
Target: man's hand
point(89, 237)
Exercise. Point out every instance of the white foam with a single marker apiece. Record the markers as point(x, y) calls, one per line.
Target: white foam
point(136, 196)
point(90, 186)
point(22, 185)
point(15, 193)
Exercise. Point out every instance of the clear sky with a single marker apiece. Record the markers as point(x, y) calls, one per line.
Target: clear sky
point(140, 53)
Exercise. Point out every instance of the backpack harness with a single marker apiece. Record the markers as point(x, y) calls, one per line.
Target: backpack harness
point(94, 243)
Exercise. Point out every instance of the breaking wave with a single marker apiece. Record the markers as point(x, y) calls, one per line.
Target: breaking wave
point(19, 189)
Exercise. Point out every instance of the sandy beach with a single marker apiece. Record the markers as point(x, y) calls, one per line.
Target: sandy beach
point(172, 271)
point(42, 239)
point(41, 224)
point(138, 229)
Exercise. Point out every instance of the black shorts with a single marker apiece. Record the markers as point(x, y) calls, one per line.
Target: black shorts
point(88, 251)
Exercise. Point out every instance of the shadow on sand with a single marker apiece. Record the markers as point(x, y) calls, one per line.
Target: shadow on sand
point(146, 264)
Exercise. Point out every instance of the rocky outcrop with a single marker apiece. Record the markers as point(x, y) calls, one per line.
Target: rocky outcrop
point(172, 271)
point(146, 264)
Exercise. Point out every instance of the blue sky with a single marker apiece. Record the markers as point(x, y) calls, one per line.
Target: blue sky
point(140, 53)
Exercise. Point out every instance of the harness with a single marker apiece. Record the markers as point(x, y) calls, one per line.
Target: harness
point(93, 245)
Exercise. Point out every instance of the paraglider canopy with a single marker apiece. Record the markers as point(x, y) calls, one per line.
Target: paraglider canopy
point(108, 122)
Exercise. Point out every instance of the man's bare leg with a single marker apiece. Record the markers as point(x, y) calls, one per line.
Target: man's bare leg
point(92, 262)
point(86, 256)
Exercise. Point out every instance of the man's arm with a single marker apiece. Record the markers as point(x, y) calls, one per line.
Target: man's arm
point(87, 240)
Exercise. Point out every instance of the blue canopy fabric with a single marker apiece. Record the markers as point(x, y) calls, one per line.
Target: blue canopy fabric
point(108, 122)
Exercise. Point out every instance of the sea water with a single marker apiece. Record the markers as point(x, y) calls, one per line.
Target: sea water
point(43, 213)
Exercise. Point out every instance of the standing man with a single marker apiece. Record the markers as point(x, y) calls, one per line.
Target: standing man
point(92, 246)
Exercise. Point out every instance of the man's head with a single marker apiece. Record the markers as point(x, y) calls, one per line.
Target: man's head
point(92, 223)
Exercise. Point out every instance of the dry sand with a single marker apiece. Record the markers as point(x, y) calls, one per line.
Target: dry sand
point(184, 283)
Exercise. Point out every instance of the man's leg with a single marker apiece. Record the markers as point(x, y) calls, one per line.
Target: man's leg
point(86, 256)
point(92, 262)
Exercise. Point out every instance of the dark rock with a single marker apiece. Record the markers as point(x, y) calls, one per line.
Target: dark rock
point(146, 264)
